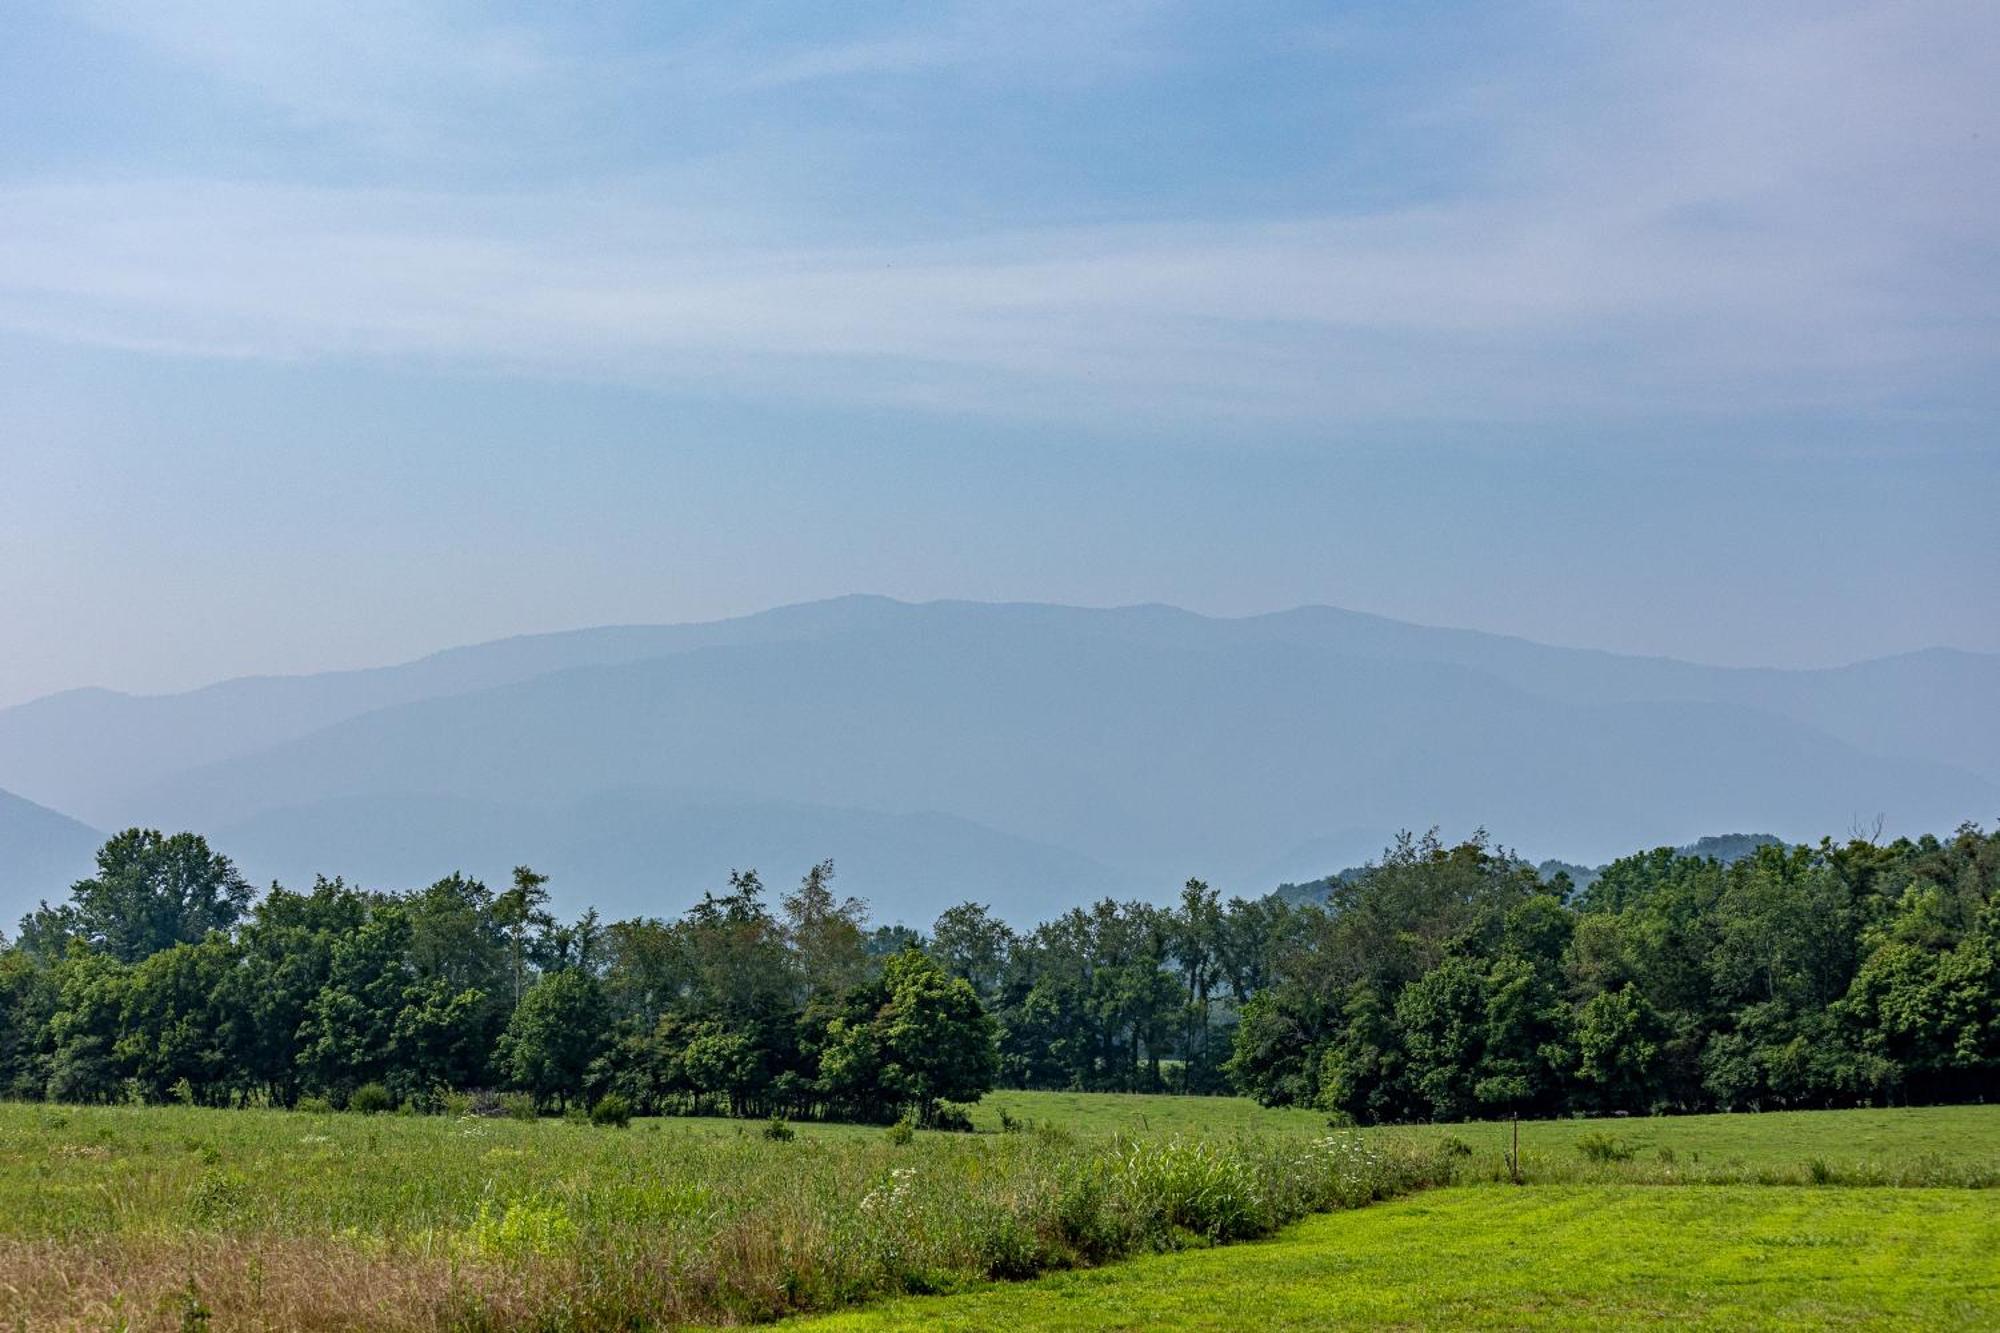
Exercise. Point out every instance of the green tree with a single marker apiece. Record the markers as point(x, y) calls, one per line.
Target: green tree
point(1442, 1018)
point(1617, 1047)
point(970, 942)
point(912, 1039)
point(84, 1027)
point(829, 950)
point(557, 1030)
point(171, 1026)
point(150, 893)
point(518, 911)
point(347, 1037)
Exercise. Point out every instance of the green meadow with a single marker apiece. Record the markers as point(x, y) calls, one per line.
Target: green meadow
point(1772, 1139)
point(1551, 1257)
point(1083, 1211)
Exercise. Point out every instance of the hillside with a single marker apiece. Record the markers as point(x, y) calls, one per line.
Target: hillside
point(41, 854)
point(1039, 749)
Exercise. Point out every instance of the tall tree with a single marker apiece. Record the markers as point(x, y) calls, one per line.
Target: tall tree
point(555, 1033)
point(518, 910)
point(825, 935)
point(970, 942)
point(150, 893)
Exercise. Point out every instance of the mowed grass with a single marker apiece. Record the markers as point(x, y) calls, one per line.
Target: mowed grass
point(1561, 1257)
point(1749, 1242)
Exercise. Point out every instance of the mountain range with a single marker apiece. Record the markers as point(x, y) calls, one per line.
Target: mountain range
point(1027, 755)
point(41, 854)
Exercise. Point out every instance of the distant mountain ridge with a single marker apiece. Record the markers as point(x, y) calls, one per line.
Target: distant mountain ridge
point(63, 746)
point(41, 853)
point(1044, 747)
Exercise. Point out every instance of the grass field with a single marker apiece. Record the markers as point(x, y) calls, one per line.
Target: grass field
point(1583, 1257)
point(173, 1217)
point(1780, 1143)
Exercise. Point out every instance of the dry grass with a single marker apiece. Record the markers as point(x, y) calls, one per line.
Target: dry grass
point(213, 1282)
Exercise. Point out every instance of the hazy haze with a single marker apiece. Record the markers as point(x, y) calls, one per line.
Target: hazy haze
point(333, 333)
point(1028, 756)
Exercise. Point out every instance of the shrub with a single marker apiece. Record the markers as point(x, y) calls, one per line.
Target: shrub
point(1008, 1248)
point(1601, 1147)
point(902, 1131)
point(1453, 1146)
point(612, 1110)
point(313, 1106)
point(778, 1131)
point(950, 1117)
point(1008, 1124)
point(519, 1106)
point(371, 1099)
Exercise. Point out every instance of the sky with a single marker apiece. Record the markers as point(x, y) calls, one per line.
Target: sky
point(332, 334)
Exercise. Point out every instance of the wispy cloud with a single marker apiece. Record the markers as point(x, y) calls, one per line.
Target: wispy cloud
point(404, 77)
point(1753, 214)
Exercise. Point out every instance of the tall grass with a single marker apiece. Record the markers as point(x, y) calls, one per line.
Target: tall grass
point(131, 1215)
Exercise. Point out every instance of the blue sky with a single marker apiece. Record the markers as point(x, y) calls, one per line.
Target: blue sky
point(331, 334)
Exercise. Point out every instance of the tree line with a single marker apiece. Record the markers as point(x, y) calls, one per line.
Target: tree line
point(1438, 983)
point(161, 978)
point(1455, 982)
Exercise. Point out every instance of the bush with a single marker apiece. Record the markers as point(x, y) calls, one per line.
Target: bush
point(313, 1105)
point(1008, 1248)
point(612, 1110)
point(778, 1131)
point(371, 1099)
point(519, 1106)
point(1601, 1147)
point(951, 1118)
point(902, 1131)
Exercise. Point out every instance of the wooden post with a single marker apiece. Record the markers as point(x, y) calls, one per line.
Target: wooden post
point(1514, 1158)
